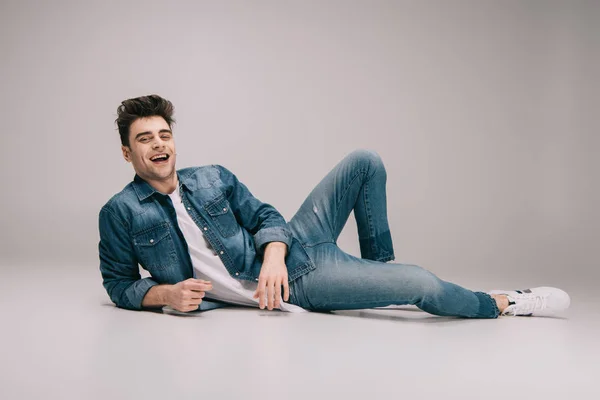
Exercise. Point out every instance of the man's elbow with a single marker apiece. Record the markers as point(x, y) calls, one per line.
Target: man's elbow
point(118, 295)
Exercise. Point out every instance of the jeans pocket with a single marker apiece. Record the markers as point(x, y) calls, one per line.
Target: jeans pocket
point(295, 286)
point(291, 299)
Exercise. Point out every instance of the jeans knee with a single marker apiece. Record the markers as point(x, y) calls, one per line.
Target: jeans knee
point(429, 284)
point(369, 160)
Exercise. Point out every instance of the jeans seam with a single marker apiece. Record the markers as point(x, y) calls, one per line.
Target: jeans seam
point(360, 171)
point(368, 212)
point(316, 244)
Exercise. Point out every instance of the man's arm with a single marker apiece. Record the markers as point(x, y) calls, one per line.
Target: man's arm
point(275, 251)
point(262, 220)
point(269, 229)
point(157, 296)
point(118, 264)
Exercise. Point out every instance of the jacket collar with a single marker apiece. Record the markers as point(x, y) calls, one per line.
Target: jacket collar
point(144, 190)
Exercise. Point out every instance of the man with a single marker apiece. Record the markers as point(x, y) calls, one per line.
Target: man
point(208, 242)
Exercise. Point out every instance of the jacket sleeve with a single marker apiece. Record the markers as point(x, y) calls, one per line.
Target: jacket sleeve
point(118, 264)
point(262, 220)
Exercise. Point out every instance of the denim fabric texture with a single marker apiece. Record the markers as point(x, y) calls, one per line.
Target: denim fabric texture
point(139, 225)
point(342, 281)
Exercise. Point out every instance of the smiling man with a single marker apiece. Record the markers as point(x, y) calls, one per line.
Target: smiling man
point(208, 242)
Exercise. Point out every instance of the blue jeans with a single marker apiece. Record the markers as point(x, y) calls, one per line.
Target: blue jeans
point(342, 281)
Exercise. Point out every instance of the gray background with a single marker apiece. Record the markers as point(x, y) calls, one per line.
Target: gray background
point(485, 113)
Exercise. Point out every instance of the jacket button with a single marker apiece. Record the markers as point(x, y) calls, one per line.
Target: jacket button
point(205, 228)
point(221, 251)
point(256, 279)
point(224, 209)
point(151, 240)
point(189, 208)
point(237, 273)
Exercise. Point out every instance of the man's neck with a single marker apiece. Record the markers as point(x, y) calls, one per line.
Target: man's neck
point(166, 187)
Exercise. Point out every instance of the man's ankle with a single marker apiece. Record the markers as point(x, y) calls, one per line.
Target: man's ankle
point(501, 301)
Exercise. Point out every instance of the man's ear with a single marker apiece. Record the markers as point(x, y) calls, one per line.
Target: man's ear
point(126, 153)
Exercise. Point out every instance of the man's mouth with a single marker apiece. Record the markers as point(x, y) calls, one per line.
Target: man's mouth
point(160, 158)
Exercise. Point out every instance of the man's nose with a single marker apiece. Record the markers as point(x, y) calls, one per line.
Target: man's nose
point(157, 143)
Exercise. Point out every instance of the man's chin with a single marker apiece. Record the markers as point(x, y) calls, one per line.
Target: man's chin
point(160, 174)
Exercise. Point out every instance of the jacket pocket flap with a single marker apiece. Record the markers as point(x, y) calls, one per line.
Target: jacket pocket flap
point(218, 206)
point(152, 236)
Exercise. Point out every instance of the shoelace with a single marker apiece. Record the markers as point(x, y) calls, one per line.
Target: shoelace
point(526, 303)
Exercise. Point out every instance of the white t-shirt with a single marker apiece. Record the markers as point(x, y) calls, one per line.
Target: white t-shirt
point(207, 265)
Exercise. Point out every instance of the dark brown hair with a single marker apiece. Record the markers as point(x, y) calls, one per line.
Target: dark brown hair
point(141, 107)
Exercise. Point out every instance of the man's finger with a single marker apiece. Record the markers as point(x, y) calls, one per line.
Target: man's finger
point(192, 306)
point(286, 290)
point(199, 280)
point(265, 296)
point(199, 286)
point(261, 292)
point(195, 304)
point(271, 293)
point(278, 284)
point(195, 281)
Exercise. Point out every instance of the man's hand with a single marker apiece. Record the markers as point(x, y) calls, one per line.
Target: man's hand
point(187, 295)
point(273, 275)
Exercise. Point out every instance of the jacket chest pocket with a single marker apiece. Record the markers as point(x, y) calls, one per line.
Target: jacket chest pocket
point(222, 216)
point(155, 248)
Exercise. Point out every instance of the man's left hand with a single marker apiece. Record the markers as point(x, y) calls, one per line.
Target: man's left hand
point(273, 275)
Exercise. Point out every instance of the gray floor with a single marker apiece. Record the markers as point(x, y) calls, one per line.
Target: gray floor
point(63, 339)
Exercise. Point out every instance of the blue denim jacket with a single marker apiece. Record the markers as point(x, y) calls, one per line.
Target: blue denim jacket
point(139, 225)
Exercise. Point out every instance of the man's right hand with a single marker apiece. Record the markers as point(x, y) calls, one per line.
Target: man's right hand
point(187, 295)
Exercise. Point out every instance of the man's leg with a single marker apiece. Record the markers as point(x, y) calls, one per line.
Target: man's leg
point(344, 282)
point(357, 182)
point(341, 281)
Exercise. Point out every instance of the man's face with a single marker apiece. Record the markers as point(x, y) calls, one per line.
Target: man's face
point(148, 138)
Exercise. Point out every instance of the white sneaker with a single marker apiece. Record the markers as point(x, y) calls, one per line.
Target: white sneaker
point(536, 302)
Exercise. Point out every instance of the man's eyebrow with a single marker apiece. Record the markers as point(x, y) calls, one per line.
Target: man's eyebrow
point(150, 133)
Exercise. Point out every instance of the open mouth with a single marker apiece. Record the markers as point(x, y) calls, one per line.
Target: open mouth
point(160, 158)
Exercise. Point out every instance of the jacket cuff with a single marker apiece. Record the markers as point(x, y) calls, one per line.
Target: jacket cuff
point(136, 292)
point(272, 234)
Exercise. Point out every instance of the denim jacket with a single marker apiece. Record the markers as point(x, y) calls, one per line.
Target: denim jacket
point(139, 225)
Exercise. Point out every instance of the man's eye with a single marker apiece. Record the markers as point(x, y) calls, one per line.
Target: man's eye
point(166, 137)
